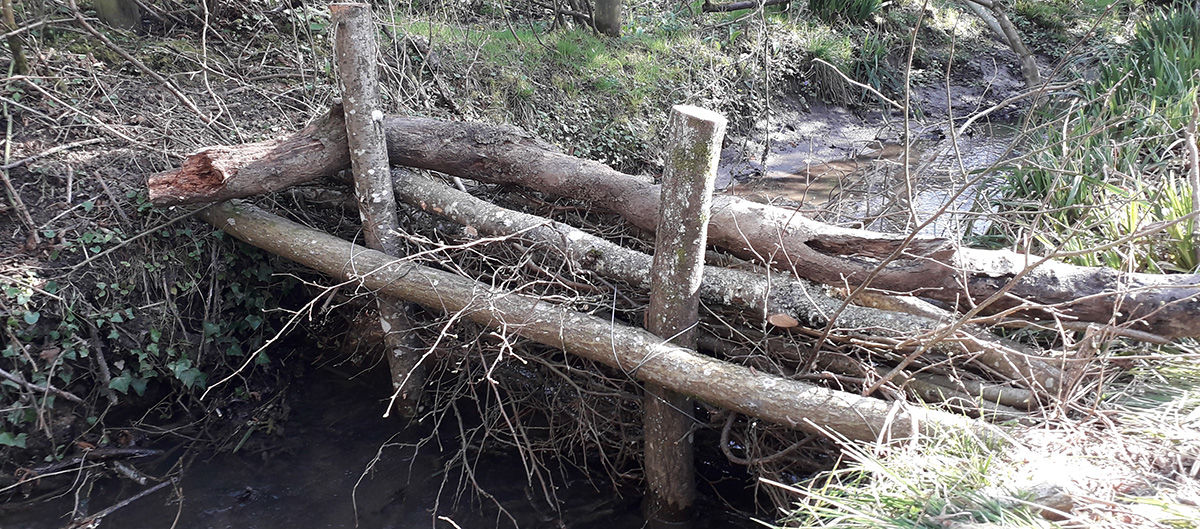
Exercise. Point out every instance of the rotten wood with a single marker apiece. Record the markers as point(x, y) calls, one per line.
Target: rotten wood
point(1024, 285)
point(633, 351)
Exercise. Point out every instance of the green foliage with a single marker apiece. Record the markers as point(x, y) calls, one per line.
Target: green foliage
point(1110, 164)
point(590, 95)
point(855, 11)
point(8, 439)
point(1049, 15)
point(211, 283)
point(872, 68)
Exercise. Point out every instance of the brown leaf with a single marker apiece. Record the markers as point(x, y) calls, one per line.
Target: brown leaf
point(782, 320)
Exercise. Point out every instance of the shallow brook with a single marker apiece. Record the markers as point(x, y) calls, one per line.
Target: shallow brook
point(339, 464)
point(843, 168)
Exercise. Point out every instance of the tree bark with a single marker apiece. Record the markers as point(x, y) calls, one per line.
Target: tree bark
point(757, 296)
point(693, 150)
point(631, 350)
point(1166, 305)
point(998, 20)
point(355, 51)
point(20, 65)
point(607, 17)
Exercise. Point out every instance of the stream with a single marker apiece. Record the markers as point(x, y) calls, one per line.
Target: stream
point(341, 465)
point(842, 168)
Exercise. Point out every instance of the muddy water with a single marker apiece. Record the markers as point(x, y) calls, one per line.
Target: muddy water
point(341, 465)
point(867, 172)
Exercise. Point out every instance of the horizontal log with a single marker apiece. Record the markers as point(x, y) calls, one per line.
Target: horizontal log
point(757, 295)
point(738, 6)
point(631, 350)
point(1166, 305)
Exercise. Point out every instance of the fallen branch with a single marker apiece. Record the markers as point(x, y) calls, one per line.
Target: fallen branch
point(1166, 305)
point(633, 351)
point(757, 295)
point(48, 388)
point(738, 6)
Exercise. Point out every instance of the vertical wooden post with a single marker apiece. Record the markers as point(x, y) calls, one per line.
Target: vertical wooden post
point(693, 149)
point(355, 53)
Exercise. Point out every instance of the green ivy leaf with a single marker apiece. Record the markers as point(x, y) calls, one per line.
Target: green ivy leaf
point(191, 377)
point(32, 317)
point(8, 439)
point(254, 320)
point(139, 385)
point(121, 383)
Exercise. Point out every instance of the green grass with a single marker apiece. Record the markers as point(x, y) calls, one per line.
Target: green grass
point(917, 485)
point(601, 98)
point(1110, 163)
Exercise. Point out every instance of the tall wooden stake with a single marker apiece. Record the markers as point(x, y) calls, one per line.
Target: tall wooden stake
point(693, 149)
point(355, 53)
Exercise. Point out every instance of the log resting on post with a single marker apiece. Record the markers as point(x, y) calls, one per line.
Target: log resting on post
point(639, 353)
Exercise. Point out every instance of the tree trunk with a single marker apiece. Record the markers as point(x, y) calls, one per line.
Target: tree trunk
point(630, 350)
point(607, 17)
point(995, 17)
point(1165, 305)
point(20, 66)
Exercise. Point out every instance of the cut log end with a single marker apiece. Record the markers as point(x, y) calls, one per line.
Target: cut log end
point(196, 180)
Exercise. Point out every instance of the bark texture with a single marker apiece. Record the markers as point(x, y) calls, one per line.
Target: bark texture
point(994, 16)
point(634, 351)
point(738, 6)
point(607, 17)
point(693, 149)
point(355, 51)
point(1166, 305)
point(754, 294)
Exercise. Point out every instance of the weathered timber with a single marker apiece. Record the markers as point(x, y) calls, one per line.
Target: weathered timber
point(758, 296)
point(631, 350)
point(693, 149)
point(709, 7)
point(355, 52)
point(1166, 305)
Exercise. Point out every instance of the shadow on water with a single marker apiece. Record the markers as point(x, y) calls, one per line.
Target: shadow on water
point(342, 465)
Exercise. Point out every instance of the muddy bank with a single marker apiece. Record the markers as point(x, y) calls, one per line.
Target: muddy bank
point(850, 165)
